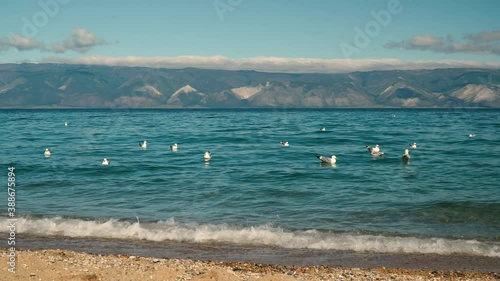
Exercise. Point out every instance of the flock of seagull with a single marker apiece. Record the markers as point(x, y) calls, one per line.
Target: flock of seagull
point(207, 156)
point(374, 151)
point(144, 144)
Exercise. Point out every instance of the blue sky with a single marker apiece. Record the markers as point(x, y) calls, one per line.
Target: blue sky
point(316, 35)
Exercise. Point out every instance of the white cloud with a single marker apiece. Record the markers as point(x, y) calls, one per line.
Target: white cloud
point(425, 41)
point(487, 42)
point(273, 64)
point(20, 43)
point(81, 41)
point(485, 36)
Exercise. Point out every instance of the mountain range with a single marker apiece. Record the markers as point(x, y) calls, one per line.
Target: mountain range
point(94, 86)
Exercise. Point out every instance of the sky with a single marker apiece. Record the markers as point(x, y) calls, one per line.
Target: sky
point(265, 35)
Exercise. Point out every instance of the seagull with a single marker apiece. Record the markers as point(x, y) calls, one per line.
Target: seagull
point(143, 144)
point(106, 161)
point(472, 135)
point(323, 129)
point(332, 160)
point(66, 124)
point(284, 143)
point(47, 153)
point(173, 147)
point(413, 145)
point(406, 157)
point(373, 149)
point(207, 156)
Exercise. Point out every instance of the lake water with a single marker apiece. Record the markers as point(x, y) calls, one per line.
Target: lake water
point(253, 191)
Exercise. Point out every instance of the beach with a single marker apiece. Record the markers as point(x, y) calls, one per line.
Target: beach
point(70, 265)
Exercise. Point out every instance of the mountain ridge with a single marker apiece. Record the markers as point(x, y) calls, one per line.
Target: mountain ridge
point(95, 86)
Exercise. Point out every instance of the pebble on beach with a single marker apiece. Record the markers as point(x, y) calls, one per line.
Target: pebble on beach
point(69, 265)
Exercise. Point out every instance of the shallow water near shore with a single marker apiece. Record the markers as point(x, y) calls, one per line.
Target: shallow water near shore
point(254, 192)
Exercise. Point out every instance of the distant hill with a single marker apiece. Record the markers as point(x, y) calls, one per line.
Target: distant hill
point(84, 86)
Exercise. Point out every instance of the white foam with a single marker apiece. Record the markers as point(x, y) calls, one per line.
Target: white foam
point(266, 235)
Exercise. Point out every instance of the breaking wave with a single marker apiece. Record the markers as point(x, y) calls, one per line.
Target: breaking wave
point(263, 235)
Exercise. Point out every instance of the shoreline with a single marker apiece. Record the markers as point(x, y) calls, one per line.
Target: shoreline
point(261, 254)
point(65, 258)
point(71, 265)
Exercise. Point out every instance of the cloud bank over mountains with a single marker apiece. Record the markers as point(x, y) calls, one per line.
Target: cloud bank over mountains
point(273, 64)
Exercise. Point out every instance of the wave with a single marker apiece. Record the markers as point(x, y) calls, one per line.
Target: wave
point(263, 235)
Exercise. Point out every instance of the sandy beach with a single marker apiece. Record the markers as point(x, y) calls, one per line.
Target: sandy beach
point(70, 265)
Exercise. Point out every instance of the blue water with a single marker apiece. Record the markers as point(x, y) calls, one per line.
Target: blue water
point(253, 191)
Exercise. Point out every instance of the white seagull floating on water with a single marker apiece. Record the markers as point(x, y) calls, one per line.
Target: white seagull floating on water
point(207, 156)
point(406, 157)
point(472, 135)
point(47, 153)
point(371, 149)
point(323, 129)
point(375, 151)
point(413, 145)
point(143, 144)
point(66, 124)
point(173, 147)
point(106, 161)
point(284, 143)
point(329, 160)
